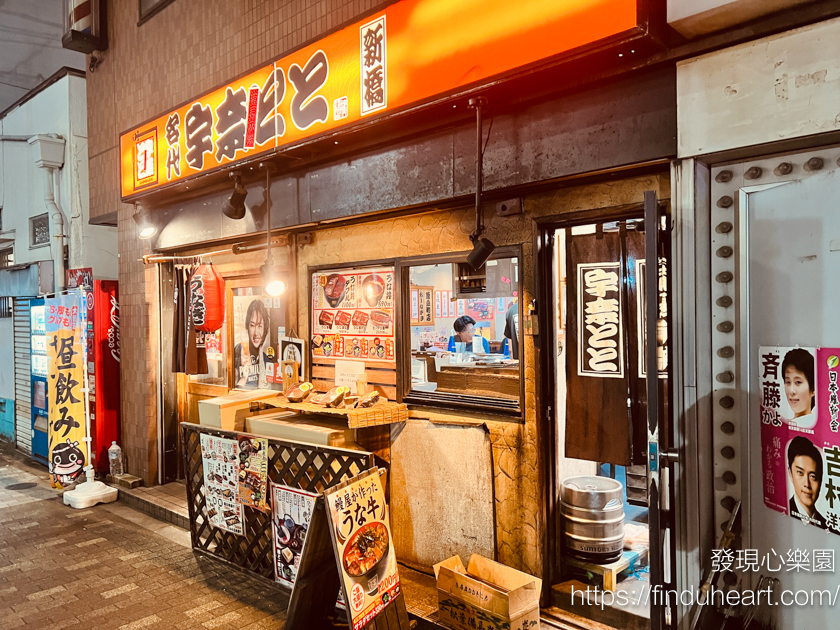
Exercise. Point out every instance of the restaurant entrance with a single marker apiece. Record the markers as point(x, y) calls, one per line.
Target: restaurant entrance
point(604, 482)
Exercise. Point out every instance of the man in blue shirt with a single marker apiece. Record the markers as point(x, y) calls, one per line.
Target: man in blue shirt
point(465, 332)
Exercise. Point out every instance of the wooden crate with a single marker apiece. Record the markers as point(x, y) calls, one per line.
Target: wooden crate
point(383, 413)
point(609, 572)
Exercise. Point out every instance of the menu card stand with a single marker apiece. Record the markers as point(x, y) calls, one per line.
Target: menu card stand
point(317, 584)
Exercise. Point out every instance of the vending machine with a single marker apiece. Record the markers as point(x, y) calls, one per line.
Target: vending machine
point(39, 371)
point(103, 339)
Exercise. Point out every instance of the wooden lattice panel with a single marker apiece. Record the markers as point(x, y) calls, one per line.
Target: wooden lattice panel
point(297, 465)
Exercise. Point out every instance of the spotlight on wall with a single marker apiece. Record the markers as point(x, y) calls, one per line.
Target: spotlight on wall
point(145, 228)
point(482, 248)
point(234, 206)
point(273, 282)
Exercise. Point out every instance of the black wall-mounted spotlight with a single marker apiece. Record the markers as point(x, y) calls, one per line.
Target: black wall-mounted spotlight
point(482, 248)
point(145, 228)
point(234, 207)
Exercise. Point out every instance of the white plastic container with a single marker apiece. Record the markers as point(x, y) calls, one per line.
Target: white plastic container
point(115, 459)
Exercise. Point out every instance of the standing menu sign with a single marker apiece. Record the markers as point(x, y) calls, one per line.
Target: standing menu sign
point(353, 314)
point(66, 343)
point(292, 513)
point(361, 536)
point(800, 433)
point(220, 457)
point(253, 472)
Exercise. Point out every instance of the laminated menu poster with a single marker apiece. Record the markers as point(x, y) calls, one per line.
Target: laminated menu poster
point(220, 457)
point(800, 433)
point(353, 314)
point(291, 515)
point(253, 472)
point(361, 535)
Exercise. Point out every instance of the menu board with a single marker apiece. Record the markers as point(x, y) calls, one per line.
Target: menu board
point(361, 534)
point(253, 472)
point(800, 432)
point(353, 314)
point(220, 457)
point(292, 513)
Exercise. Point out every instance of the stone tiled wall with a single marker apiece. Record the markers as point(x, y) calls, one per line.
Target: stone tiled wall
point(188, 48)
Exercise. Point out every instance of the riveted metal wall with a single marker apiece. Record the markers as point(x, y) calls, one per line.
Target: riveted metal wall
point(730, 261)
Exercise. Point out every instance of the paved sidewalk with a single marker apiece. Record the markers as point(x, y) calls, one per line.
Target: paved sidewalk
point(111, 567)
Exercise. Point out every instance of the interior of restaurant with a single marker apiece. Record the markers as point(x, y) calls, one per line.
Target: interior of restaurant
point(464, 328)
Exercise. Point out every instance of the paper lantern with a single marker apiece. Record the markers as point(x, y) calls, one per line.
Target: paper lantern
point(207, 298)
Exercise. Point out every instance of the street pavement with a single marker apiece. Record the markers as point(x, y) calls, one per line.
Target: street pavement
point(110, 566)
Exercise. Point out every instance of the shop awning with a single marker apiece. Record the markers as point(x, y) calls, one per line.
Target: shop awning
point(27, 280)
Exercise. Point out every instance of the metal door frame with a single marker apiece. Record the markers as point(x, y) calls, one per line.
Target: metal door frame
point(543, 246)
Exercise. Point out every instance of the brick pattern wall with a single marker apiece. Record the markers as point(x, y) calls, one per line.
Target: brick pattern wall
point(190, 47)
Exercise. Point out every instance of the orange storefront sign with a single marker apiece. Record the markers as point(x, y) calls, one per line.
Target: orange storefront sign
point(405, 54)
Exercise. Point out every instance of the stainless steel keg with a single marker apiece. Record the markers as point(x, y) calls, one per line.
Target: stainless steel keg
point(593, 518)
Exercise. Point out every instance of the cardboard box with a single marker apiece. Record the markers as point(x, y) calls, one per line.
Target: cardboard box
point(220, 413)
point(486, 595)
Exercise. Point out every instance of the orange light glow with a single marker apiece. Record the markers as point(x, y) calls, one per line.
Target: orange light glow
point(430, 47)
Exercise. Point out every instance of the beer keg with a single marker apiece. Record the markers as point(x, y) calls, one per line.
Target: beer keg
point(593, 518)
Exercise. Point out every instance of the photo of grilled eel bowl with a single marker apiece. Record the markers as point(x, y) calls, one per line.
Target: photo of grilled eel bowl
point(366, 550)
point(326, 319)
point(334, 289)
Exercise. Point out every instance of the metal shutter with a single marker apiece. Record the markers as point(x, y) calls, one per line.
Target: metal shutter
point(23, 381)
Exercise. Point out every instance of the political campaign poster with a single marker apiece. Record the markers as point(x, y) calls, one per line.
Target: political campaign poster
point(799, 442)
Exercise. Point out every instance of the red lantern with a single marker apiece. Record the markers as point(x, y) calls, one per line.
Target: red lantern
point(207, 298)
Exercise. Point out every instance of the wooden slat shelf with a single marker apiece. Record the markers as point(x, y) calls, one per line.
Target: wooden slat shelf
point(382, 413)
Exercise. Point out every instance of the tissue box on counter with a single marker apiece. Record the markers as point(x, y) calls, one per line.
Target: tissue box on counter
point(486, 595)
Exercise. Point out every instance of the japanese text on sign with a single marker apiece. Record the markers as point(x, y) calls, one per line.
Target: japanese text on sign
point(350, 74)
point(600, 336)
point(361, 534)
point(800, 445)
point(65, 323)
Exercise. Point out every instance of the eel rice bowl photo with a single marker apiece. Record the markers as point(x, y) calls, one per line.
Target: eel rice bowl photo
point(366, 549)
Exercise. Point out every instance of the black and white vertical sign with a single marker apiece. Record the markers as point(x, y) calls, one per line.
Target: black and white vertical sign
point(600, 337)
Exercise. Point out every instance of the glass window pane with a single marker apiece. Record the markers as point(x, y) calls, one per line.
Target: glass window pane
point(465, 329)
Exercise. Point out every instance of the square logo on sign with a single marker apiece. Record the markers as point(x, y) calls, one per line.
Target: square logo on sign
point(373, 65)
point(145, 159)
point(340, 108)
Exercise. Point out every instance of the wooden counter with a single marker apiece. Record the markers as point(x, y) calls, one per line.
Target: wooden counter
point(464, 378)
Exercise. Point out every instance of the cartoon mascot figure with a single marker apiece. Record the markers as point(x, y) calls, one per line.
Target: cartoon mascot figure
point(67, 463)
